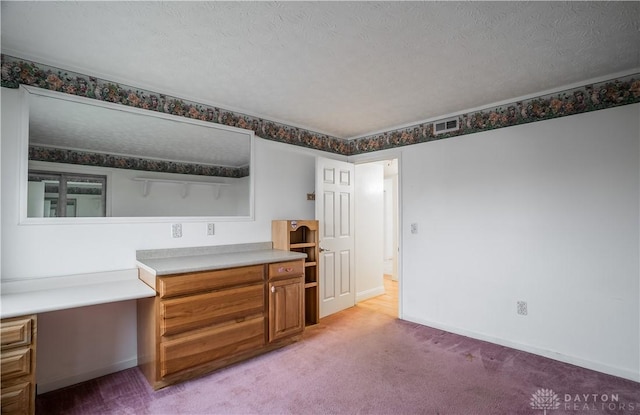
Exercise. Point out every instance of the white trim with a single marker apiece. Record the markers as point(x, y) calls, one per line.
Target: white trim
point(587, 364)
point(373, 292)
point(378, 155)
point(50, 385)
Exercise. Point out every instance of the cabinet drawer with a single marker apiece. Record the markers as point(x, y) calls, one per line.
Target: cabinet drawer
point(15, 333)
point(192, 312)
point(286, 269)
point(208, 345)
point(16, 399)
point(208, 280)
point(16, 363)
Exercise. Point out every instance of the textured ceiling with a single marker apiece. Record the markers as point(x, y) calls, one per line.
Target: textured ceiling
point(341, 68)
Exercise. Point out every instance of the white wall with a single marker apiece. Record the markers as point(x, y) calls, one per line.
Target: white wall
point(545, 213)
point(369, 230)
point(284, 175)
point(164, 199)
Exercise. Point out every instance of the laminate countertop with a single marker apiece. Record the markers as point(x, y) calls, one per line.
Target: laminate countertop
point(182, 260)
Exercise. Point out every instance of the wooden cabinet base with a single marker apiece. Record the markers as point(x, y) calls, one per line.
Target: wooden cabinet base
point(18, 364)
point(16, 399)
point(212, 366)
point(200, 322)
point(208, 345)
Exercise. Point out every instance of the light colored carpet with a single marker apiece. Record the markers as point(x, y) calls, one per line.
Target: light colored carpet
point(357, 362)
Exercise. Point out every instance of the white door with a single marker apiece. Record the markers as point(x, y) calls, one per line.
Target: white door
point(335, 213)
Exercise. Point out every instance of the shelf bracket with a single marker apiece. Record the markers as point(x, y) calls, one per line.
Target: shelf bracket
point(146, 185)
point(145, 188)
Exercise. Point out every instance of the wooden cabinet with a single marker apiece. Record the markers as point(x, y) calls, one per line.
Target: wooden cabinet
point(302, 236)
point(18, 365)
point(202, 321)
point(286, 299)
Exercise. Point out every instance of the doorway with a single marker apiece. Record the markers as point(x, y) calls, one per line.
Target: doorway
point(377, 236)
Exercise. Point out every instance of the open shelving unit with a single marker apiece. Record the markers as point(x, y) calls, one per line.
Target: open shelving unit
point(302, 236)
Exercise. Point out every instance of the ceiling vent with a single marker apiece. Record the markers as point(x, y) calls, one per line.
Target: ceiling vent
point(445, 126)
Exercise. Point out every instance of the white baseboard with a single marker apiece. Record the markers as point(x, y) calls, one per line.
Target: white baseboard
point(365, 295)
point(50, 385)
point(587, 364)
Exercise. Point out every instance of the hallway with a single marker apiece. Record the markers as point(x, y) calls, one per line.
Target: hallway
point(386, 303)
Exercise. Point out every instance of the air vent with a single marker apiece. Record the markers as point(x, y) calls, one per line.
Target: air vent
point(445, 126)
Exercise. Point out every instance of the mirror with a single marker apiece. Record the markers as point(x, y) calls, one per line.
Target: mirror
point(91, 160)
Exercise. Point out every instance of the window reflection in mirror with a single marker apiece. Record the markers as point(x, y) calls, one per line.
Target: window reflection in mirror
point(54, 194)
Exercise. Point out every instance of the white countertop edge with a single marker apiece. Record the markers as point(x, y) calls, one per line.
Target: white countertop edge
point(80, 295)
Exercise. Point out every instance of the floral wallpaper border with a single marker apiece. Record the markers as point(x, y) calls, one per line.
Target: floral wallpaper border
point(57, 155)
point(591, 97)
point(16, 71)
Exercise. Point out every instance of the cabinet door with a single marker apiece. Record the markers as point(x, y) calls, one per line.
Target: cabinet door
point(286, 300)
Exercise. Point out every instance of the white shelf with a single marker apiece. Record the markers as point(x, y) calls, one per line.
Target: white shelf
point(147, 181)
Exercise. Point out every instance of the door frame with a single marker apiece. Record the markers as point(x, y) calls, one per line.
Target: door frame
point(382, 156)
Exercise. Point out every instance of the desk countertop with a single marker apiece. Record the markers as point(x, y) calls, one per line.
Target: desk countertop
point(40, 295)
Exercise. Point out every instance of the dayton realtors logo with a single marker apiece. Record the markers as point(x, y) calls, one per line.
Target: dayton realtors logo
point(547, 399)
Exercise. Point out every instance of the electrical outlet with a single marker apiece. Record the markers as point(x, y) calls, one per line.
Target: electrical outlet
point(522, 308)
point(211, 229)
point(176, 230)
point(414, 228)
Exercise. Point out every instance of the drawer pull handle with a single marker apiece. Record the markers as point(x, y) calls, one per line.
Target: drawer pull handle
point(273, 289)
point(285, 269)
